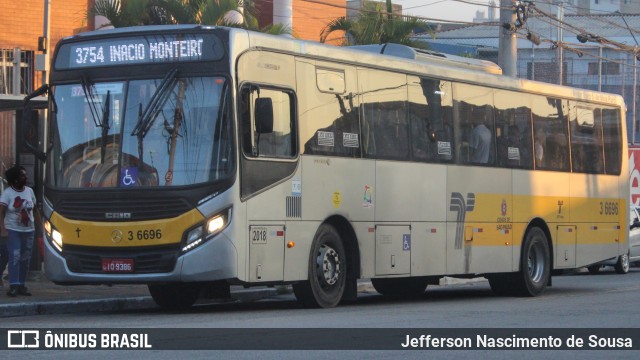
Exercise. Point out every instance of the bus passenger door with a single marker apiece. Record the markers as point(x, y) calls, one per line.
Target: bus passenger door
point(566, 236)
point(266, 107)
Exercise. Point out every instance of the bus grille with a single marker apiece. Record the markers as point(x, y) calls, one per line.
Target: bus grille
point(146, 261)
point(139, 209)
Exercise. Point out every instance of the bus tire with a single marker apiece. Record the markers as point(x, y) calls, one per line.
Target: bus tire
point(502, 284)
point(174, 296)
point(410, 287)
point(535, 264)
point(622, 265)
point(594, 269)
point(327, 271)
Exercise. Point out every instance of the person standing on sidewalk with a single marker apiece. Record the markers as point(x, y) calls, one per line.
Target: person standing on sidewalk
point(4, 254)
point(18, 215)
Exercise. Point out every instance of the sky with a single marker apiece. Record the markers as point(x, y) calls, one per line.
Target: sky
point(444, 9)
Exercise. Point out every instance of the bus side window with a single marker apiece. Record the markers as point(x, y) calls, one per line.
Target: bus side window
point(430, 114)
point(612, 140)
point(474, 124)
point(551, 145)
point(586, 138)
point(279, 139)
point(384, 115)
point(513, 129)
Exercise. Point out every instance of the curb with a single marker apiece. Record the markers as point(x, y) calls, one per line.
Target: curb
point(73, 306)
point(241, 295)
point(116, 304)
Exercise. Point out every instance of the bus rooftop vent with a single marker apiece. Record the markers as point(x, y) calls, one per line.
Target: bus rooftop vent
point(428, 56)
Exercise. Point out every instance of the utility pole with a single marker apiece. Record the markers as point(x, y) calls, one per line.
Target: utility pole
point(47, 39)
point(507, 51)
point(560, 41)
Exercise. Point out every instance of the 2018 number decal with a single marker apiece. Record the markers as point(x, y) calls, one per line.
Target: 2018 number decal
point(259, 236)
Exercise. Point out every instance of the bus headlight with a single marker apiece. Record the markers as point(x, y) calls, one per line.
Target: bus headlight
point(57, 239)
point(54, 235)
point(205, 231)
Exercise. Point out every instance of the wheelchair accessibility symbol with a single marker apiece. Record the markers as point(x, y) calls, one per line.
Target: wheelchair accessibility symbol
point(129, 177)
point(406, 242)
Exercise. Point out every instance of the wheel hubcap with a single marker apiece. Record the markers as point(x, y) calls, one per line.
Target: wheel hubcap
point(535, 263)
point(328, 265)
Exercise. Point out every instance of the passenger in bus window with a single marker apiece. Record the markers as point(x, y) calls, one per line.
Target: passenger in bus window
point(539, 147)
point(480, 142)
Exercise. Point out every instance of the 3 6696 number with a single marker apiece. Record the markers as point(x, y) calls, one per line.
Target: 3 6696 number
point(145, 234)
point(608, 208)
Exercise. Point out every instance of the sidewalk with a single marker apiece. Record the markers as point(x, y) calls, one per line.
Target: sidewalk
point(49, 298)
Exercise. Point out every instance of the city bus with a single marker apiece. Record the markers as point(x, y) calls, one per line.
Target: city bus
point(190, 158)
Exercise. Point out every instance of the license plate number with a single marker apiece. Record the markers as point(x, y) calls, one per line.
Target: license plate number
point(117, 265)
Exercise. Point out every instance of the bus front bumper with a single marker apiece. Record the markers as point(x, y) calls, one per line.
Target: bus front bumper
point(216, 259)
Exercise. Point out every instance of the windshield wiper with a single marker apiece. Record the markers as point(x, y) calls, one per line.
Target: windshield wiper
point(105, 125)
point(99, 121)
point(88, 88)
point(147, 116)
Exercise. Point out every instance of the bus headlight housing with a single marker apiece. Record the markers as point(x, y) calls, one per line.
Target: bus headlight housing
point(54, 236)
point(206, 230)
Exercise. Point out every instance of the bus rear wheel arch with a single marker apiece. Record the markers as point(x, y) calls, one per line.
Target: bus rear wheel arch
point(327, 270)
point(535, 268)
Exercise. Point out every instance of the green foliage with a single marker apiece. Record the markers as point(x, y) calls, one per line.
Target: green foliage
point(375, 26)
point(121, 13)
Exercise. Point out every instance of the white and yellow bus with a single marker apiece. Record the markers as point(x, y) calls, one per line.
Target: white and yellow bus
point(192, 157)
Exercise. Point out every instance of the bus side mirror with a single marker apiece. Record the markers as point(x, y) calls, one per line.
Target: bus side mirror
point(264, 116)
point(636, 223)
point(27, 109)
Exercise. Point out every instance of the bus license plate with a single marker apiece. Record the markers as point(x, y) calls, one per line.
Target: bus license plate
point(117, 265)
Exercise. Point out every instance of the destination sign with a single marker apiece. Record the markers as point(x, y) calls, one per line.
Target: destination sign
point(139, 50)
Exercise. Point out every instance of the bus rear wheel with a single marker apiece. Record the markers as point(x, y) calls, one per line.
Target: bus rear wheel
point(622, 265)
point(535, 269)
point(174, 296)
point(327, 271)
point(535, 264)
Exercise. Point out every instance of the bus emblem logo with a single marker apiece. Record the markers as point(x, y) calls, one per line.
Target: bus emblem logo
point(461, 207)
point(115, 215)
point(504, 207)
point(116, 236)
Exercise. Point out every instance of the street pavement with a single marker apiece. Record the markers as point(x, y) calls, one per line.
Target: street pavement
point(49, 298)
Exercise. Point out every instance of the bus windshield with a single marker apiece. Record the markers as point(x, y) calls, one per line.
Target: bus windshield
point(169, 131)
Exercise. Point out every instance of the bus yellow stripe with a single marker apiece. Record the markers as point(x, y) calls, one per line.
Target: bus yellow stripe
point(125, 234)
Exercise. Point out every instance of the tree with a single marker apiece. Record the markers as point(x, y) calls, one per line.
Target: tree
point(376, 26)
point(122, 13)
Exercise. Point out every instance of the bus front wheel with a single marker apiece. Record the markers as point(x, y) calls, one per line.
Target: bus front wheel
point(175, 296)
point(327, 271)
